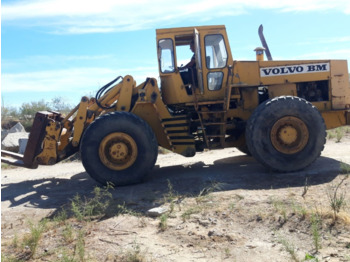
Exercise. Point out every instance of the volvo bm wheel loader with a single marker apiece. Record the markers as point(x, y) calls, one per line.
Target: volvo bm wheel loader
point(277, 111)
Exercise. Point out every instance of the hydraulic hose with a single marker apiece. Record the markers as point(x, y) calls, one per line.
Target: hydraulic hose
point(103, 90)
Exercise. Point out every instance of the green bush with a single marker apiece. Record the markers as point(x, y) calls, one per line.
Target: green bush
point(26, 112)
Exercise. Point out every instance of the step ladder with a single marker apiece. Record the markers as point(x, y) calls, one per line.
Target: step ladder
point(214, 132)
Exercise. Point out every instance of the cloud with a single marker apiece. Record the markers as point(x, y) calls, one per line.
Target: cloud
point(77, 17)
point(78, 79)
point(80, 16)
point(53, 61)
point(330, 54)
point(325, 40)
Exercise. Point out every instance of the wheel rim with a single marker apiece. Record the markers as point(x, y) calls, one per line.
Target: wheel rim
point(118, 151)
point(289, 135)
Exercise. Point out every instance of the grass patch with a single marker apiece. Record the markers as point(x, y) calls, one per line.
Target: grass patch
point(288, 246)
point(11, 258)
point(310, 258)
point(331, 134)
point(300, 210)
point(281, 208)
point(336, 197)
point(316, 235)
point(339, 133)
point(68, 233)
point(134, 254)
point(32, 239)
point(80, 246)
point(163, 223)
point(190, 211)
point(5, 166)
point(171, 197)
point(344, 168)
point(95, 207)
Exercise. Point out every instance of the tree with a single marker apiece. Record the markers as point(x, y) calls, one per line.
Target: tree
point(57, 104)
point(8, 112)
point(26, 113)
point(9, 115)
point(28, 110)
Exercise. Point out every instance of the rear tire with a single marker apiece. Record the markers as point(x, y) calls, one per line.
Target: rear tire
point(286, 134)
point(120, 148)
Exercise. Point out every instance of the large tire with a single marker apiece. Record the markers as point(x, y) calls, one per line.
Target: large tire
point(120, 148)
point(286, 134)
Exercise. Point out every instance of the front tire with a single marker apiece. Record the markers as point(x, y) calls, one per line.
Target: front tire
point(119, 148)
point(286, 134)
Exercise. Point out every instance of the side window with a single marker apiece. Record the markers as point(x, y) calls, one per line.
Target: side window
point(166, 55)
point(215, 80)
point(215, 51)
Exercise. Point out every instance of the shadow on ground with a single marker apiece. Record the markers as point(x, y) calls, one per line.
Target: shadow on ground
point(239, 172)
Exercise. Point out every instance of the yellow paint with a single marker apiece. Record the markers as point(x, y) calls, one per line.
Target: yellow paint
point(48, 156)
point(79, 122)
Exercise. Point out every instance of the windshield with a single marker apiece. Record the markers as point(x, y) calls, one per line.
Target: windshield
point(215, 49)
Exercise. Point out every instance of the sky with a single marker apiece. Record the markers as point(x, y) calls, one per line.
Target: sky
point(70, 48)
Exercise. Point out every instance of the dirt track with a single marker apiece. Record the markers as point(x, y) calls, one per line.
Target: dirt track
point(238, 223)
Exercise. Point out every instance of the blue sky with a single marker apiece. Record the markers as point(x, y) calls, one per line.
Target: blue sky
point(69, 48)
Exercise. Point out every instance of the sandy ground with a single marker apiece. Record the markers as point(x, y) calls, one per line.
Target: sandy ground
point(249, 216)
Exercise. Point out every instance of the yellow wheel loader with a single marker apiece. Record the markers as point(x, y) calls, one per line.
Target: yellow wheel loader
point(277, 111)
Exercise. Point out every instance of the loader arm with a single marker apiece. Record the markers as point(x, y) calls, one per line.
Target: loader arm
point(54, 138)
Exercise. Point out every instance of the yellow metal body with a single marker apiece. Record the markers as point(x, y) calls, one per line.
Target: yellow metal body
point(49, 153)
point(210, 111)
point(279, 77)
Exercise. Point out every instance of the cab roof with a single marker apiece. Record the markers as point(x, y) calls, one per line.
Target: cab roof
point(188, 30)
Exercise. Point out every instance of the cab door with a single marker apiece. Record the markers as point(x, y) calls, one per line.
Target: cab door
point(215, 69)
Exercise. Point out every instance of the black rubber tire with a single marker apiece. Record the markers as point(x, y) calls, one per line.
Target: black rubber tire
point(137, 129)
point(259, 126)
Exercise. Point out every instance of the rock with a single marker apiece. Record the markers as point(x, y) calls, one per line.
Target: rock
point(213, 221)
point(22, 145)
point(190, 233)
point(251, 246)
point(157, 211)
point(214, 233)
point(179, 227)
point(11, 141)
point(4, 133)
point(204, 223)
point(17, 128)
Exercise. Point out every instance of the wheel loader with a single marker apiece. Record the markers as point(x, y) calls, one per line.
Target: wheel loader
point(276, 111)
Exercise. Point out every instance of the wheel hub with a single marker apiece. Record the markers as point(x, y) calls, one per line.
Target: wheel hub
point(118, 151)
point(289, 135)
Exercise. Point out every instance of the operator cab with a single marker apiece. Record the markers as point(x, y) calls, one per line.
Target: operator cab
point(208, 48)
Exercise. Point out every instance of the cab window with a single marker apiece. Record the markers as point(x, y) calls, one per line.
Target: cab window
point(215, 80)
point(166, 55)
point(215, 51)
